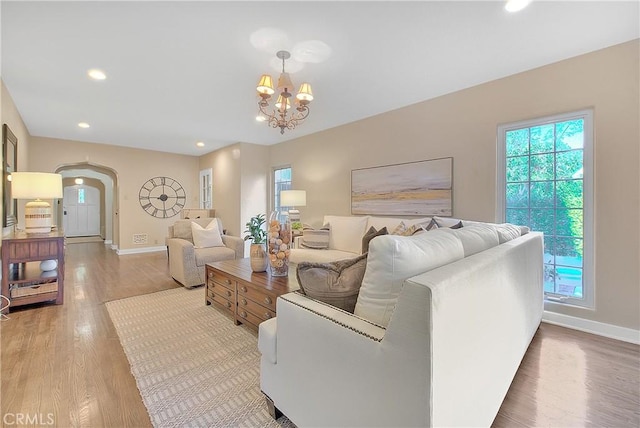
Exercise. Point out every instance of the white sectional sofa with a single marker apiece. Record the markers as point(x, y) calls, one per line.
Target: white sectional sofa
point(442, 321)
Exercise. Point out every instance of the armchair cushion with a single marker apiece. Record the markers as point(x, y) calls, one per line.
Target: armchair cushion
point(182, 228)
point(336, 283)
point(206, 237)
point(213, 254)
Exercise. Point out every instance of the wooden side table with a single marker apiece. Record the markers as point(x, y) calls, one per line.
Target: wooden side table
point(22, 280)
point(248, 297)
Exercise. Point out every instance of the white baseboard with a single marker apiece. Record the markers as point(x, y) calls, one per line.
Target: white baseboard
point(114, 247)
point(108, 242)
point(141, 250)
point(601, 329)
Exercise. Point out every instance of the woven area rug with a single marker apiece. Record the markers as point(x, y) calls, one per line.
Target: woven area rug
point(193, 366)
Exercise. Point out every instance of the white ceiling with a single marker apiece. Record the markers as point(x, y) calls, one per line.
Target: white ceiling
point(181, 72)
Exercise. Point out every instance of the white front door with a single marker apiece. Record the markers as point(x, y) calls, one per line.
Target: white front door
point(81, 211)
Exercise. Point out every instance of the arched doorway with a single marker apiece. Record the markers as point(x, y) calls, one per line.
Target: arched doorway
point(98, 176)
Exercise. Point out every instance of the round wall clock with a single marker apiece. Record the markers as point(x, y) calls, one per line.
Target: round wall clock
point(162, 197)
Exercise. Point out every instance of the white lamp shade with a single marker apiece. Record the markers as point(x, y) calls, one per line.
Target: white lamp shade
point(36, 185)
point(293, 198)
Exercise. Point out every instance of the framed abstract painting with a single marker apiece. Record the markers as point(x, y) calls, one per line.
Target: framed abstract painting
point(412, 189)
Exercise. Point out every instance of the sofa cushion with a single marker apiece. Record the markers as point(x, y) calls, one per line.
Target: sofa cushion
point(299, 255)
point(315, 238)
point(475, 238)
point(346, 232)
point(336, 283)
point(446, 221)
point(507, 232)
point(379, 222)
point(371, 233)
point(205, 237)
point(392, 259)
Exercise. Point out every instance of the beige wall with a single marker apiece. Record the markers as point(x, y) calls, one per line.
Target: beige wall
point(9, 114)
point(133, 167)
point(463, 125)
point(240, 180)
point(226, 185)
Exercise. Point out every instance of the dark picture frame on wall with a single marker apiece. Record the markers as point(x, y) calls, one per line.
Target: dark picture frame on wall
point(9, 165)
point(413, 188)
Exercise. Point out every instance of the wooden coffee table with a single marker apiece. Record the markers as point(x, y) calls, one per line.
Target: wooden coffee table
point(248, 297)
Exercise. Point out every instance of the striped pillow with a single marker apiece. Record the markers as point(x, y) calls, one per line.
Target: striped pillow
point(316, 238)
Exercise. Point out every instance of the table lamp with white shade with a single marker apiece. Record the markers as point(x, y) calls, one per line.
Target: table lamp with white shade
point(38, 186)
point(293, 199)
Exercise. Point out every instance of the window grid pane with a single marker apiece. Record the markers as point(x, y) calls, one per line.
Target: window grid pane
point(281, 181)
point(544, 190)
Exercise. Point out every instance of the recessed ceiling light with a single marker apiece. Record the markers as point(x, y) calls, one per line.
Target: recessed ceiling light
point(83, 125)
point(79, 181)
point(200, 144)
point(516, 5)
point(96, 74)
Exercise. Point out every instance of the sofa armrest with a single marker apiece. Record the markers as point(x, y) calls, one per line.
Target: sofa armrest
point(235, 243)
point(340, 318)
point(329, 356)
point(182, 262)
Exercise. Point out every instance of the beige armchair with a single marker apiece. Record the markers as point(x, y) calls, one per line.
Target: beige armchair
point(187, 263)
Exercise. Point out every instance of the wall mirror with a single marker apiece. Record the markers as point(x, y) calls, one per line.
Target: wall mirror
point(9, 165)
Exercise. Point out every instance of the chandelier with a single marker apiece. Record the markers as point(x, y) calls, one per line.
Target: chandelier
point(282, 116)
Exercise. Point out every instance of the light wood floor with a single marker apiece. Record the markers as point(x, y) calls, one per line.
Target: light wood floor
point(64, 364)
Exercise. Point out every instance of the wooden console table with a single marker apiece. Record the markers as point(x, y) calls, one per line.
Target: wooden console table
point(22, 280)
point(248, 297)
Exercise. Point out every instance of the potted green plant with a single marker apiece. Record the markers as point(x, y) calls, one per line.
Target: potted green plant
point(258, 237)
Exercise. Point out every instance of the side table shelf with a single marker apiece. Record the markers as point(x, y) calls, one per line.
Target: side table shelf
point(23, 282)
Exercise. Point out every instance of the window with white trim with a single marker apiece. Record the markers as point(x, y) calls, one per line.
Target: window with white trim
point(281, 181)
point(206, 188)
point(545, 181)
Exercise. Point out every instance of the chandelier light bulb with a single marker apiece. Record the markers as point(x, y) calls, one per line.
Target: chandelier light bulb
point(282, 100)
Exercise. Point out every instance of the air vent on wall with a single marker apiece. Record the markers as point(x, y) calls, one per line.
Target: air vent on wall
point(140, 238)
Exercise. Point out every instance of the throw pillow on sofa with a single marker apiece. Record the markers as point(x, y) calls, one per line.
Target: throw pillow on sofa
point(391, 260)
point(315, 238)
point(371, 233)
point(206, 237)
point(336, 283)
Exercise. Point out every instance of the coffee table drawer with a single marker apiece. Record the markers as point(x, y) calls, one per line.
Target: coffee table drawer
point(220, 279)
point(259, 297)
point(227, 304)
point(254, 308)
point(243, 316)
point(219, 290)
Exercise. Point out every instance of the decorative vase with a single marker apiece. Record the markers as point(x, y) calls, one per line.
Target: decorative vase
point(48, 265)
point(258, 258)
point(279, 243)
